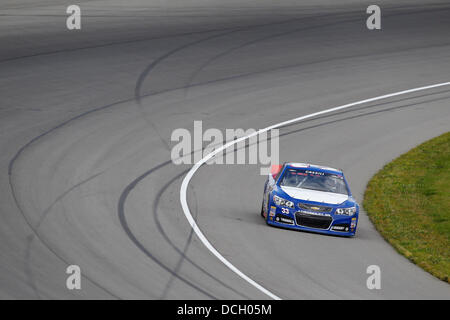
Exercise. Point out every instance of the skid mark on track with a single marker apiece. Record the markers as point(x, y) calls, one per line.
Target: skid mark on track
point(130, 234)
point(28, 268)
point(183, 252)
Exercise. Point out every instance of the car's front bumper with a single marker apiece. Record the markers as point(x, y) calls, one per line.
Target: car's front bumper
point(329, 223)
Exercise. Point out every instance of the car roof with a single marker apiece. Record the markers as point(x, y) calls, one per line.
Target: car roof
point(313, 166)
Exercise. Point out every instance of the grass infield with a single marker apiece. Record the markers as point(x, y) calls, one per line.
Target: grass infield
point(408, 201)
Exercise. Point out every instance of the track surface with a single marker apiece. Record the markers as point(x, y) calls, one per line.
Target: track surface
point(86, 119)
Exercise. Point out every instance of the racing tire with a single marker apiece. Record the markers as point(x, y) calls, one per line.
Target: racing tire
point(262, 210)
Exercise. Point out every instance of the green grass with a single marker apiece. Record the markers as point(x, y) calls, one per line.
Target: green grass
point(409, 203)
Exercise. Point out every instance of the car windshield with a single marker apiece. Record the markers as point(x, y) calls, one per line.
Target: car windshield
point(314, 180)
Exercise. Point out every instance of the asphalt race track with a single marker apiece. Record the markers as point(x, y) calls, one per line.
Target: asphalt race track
point(86, 118)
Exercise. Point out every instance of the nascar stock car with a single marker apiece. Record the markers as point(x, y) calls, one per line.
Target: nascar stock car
point(311, 198)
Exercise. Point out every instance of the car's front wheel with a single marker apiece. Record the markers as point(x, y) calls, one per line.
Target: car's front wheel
point(262, 210)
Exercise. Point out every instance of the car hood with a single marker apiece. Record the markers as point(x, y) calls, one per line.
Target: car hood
point(314, 195)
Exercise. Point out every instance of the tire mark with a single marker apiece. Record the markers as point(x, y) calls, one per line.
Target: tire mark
point(41, 239)
point(144, 74)
point(364, 115)
point(246, 44)
point(281, 34)
point(29, 270)
point(352, 117)
point(109, 44)
point(138, 244)
point(183, 252)
point(114, 43)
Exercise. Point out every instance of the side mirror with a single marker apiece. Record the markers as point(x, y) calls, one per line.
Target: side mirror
point(275, 169)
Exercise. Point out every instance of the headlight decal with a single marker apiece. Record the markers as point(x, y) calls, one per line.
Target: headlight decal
point(282, 202)
point(346, 211)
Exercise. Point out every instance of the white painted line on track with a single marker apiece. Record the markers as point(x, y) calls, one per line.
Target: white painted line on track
point(190, 174)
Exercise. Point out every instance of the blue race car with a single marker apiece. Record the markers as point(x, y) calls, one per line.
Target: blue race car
point(311, 198)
